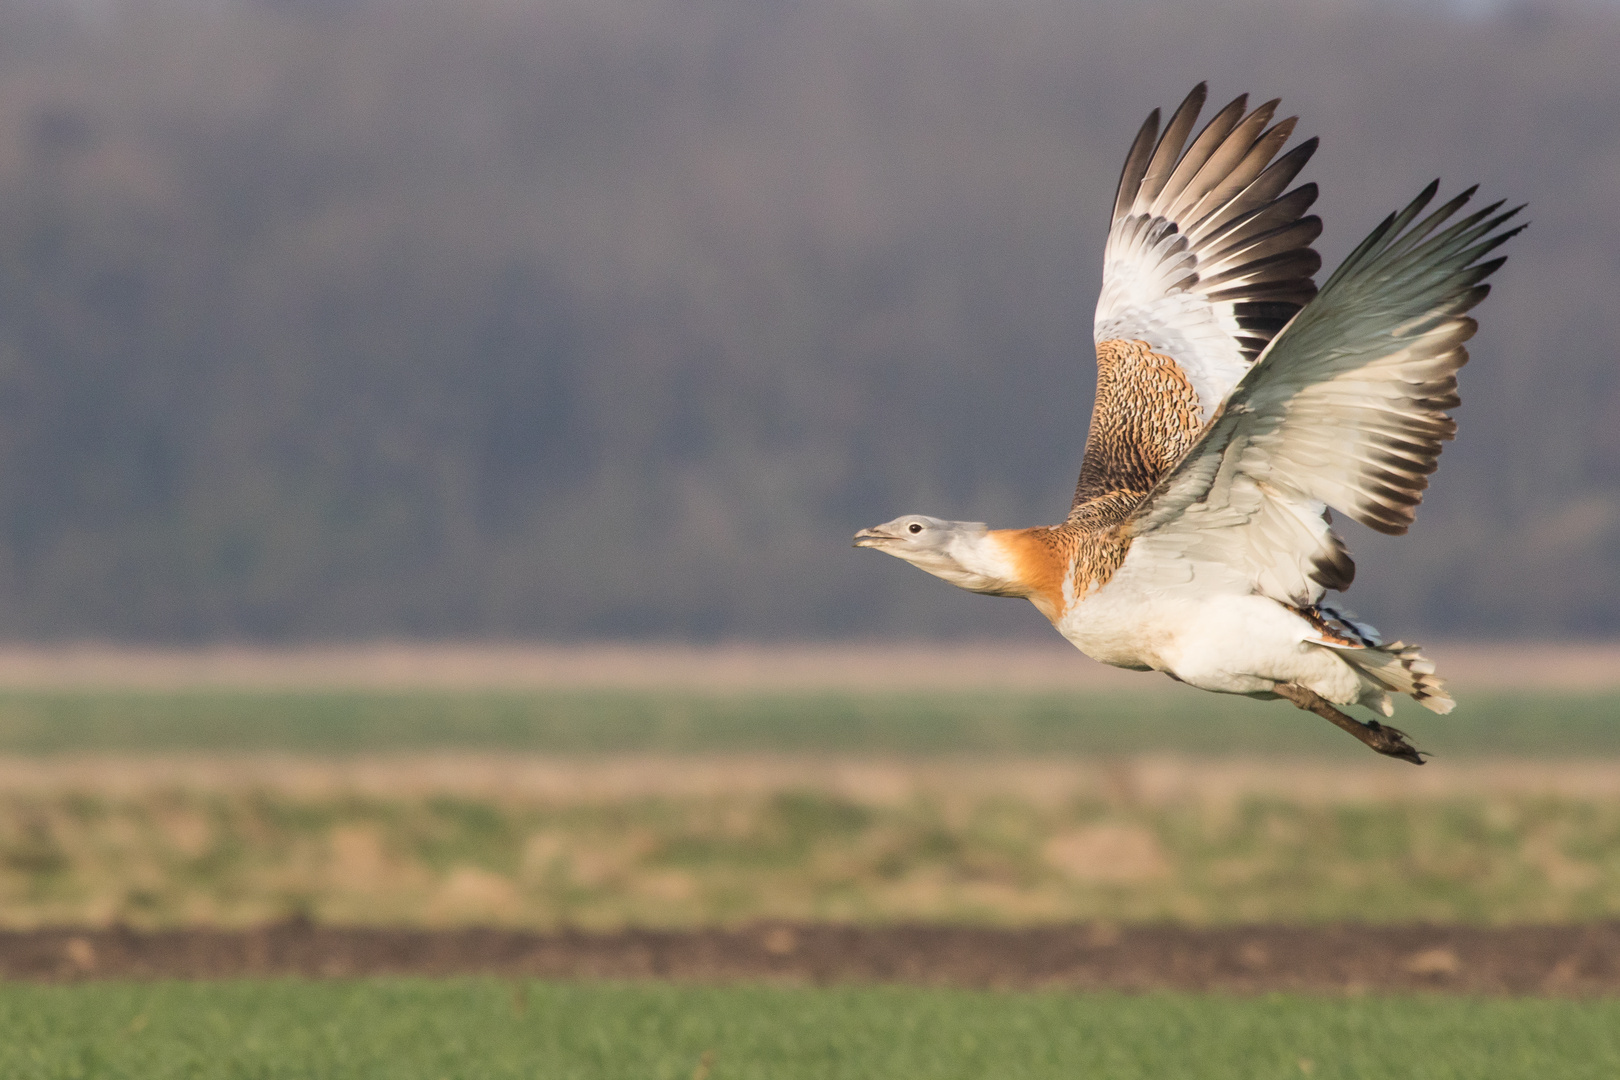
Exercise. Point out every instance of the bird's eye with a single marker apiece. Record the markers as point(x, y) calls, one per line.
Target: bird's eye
point(915, 527)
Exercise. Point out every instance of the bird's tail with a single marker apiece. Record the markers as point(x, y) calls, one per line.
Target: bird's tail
point(1396, 667)
point(1403, 669)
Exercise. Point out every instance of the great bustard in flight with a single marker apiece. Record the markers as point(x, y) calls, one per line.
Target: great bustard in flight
point(1236, 404)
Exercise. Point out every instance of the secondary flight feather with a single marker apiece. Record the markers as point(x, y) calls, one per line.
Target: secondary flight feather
point(1236, 406)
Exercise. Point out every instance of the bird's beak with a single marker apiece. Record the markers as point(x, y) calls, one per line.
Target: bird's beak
point(872, 538)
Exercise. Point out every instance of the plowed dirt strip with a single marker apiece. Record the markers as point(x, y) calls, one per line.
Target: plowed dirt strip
point(1557, 961)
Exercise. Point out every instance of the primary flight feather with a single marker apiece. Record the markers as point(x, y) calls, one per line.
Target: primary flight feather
point(1236, 405)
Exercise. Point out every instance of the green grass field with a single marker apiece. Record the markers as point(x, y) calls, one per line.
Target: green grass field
point(484, 1029)
point(1168, 718)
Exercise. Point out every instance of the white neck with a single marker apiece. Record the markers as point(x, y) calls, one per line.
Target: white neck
point(972, 559)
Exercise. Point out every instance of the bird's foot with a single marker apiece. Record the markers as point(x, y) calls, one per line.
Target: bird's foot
point(1386, 740)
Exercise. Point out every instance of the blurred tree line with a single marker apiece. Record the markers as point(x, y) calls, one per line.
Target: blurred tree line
point(618, 317)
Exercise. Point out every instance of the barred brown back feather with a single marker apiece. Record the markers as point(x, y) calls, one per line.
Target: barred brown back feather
point(1144, 420)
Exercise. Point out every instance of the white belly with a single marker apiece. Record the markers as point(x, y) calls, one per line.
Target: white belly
point(1228, 643)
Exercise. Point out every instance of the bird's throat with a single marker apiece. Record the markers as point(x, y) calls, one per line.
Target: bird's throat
point(1041, 560)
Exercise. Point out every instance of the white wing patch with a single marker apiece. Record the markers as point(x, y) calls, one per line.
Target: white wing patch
point(1145, 305)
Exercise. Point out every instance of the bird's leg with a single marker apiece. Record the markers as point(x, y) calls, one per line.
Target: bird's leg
point(1381, 737)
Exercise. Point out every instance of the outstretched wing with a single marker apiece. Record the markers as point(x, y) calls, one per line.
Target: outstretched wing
point(1207, 259)
point(1346, 409)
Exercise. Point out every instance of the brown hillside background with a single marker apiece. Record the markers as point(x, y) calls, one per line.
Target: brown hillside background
point(347, 319)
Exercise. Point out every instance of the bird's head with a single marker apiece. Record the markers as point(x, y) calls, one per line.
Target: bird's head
point(964, 553)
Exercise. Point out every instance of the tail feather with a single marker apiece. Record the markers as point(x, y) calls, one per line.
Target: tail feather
point(1395, 667)
point(1403, 669)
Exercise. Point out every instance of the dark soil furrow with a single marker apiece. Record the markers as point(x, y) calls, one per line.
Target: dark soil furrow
point(1523, 960)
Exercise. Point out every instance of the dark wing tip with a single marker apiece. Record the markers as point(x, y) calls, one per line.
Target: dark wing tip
point(1136, 163)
